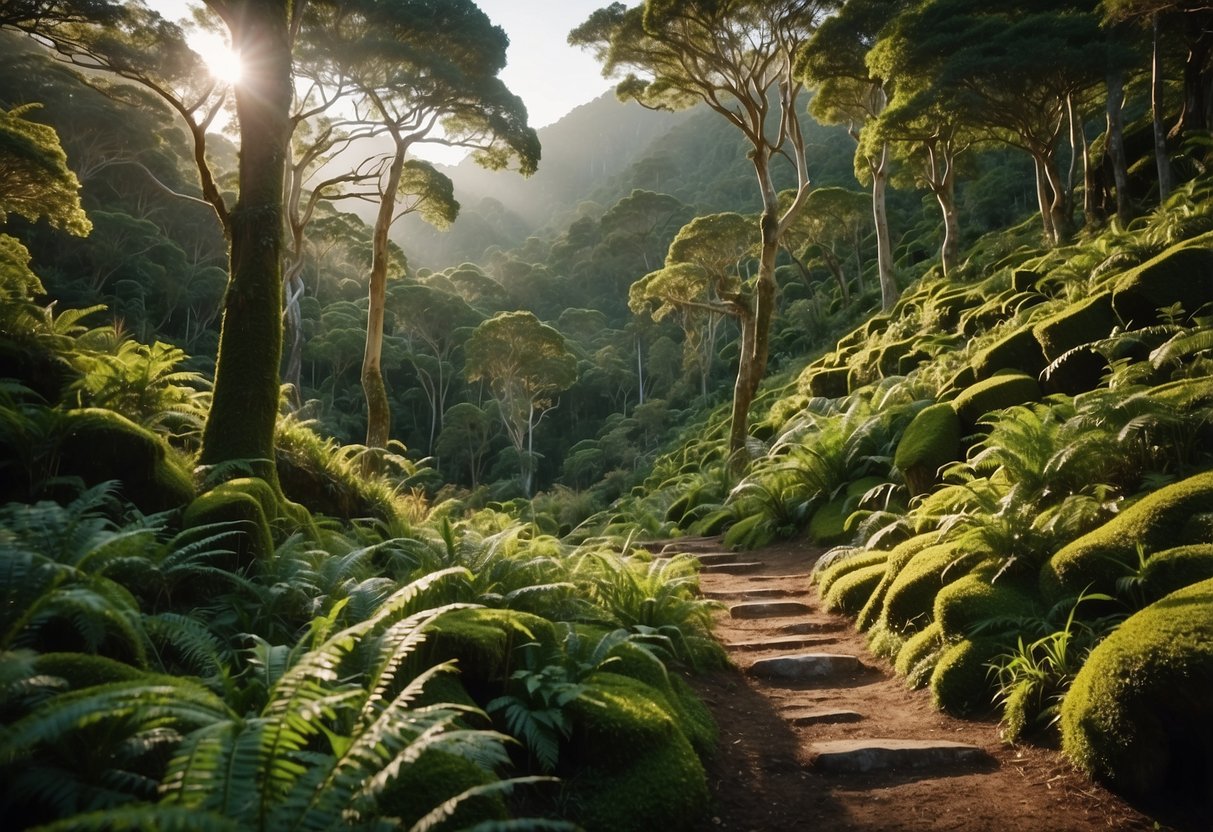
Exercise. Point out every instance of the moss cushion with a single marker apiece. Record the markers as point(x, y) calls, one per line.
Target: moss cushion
point(1080, 323)
point(962, 682)
point(851, 592)
point(901, 554)
point(910, 602)
point(1018, 350)
point(1183, 274)
point(917, 658)
point(973, 600)
point(931, 441)
point(1139, 714)
point(857, 559)
point(1001, 391)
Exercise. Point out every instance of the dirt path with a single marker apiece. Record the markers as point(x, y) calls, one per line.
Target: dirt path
point(768, 777)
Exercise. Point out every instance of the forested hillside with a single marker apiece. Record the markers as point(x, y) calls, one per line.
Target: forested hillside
point(325, 470)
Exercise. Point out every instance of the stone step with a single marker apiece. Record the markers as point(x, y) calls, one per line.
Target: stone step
point(690, 545)
point(820, 716)
point(751, 594)
point(885, 754)
point(713, 558)
point(805, 666)
point(813, 625)
point(787, 643)
point(739, 568)
point(768, 609)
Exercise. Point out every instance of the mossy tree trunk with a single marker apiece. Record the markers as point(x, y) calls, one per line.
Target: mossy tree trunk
point(244, 409)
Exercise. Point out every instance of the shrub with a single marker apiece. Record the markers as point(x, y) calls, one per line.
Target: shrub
point(1139, 714)
point(433, 778)
point(482, 642)
point(997, 393)
point(1163, 519)
point(931, 441)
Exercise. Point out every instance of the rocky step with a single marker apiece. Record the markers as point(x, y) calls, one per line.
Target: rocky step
point(821, 716)
point(712, 558)
point(795, 577)
point(813, 625)
point(690, 545)
point(801, 667)
point(850, 756)
point(786, 643)
point(739, 568)
point(768, 609)
point(750, 594)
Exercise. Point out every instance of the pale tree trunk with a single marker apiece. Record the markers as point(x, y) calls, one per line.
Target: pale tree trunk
point(1059, 206)
point(1044, 201)
point(1116, 143)
point(949, 254)
point(1160, 130)
point(528, 460)
point(884, 246)
point(738, 428)
point(378, 412)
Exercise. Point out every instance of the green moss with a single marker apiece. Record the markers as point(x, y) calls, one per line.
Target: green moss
point(252, 540)
point(931, 441)
point(851, 591)
point(433, 778)
point(972, 600)
point(1183, 274)
point(1001, 391)
point(1186, 394)
point(630, 765)
point(1174, 569)
point(1160, 520)
point(962, 682)
point(1019, 351)
point(1079, 323)
point(100, 445)
point(828, 525)
point(901, 554)
point(919, 654)
point(884, 641)
point(1024, 280)
point(829, 384)
point(482, 641)
point(1079, 372)
point(857, 560)
point(909, 604)
point(1139, 714)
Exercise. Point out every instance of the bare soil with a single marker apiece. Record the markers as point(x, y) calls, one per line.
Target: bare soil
point(762, 778)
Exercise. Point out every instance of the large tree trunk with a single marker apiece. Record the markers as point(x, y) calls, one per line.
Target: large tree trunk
point(378, 412)
point(1116, 143)
point(244, 408)
point(1157, 104)
point(884, 246)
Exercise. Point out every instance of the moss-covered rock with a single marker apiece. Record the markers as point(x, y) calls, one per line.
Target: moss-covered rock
point(628, 765)
point(917, 658)
point(99, 445)
point(827, 383)
point(900, 555)
point(433, 778)
point(1174, 569)
point(962, 682)
point(1025, 280)
point(481, 642)
point(1001, 391)
point(860, 559)
point(931, 441)
point(1183, 274)
point(1079, 323)
point(851, 591)
point(910, 602)
point(1164, 519)
point(973, 600)
point(1077, 372)
point(1139, 714)
point(828, 525)
point(1018, 350)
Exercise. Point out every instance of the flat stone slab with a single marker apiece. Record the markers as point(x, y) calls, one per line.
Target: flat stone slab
point(885, 754)
point(786, 643)
point(822, 717)
point(751, 594)
point(805, 666)
point(690, 545)
point(739, 568)
point(711, 558)
point(817, 625)
point(768, 609)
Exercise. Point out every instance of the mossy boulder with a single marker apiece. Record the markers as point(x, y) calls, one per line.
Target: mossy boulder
point(628, 765)
point(1163, 519)
point(827, 383)
point(962, 682)
point(1079, 323)
point(433, 778)
point(1018, 350)
point(899, 556)
point(481, 641)
point(850, 592)
point(1139, 714)
point(1079, 371)
point(1183, 274)
point(910, 602)
point(99, 445)
point(973, 600)
point(1173, 569)
point(860, 559)
point(1025, 280)
point(931, 441)
point(917, 658)
point(997, 393)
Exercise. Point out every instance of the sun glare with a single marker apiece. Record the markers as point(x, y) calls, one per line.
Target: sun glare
point(223, 63)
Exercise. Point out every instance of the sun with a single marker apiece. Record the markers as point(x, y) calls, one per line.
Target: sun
point(223, 64)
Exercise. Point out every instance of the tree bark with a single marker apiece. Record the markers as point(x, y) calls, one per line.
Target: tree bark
point(1044, 201)
point(244, 408)
point(949, 253)
point(378, 411)
point(1116, 143)
point(884, 247)
point(1157, 102)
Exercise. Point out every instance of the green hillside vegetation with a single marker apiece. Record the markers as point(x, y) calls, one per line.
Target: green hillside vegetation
point(310, 520)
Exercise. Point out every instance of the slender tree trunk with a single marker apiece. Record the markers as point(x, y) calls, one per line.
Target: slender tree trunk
point(244, 406)
point(378, 412)
point(639, 373)
point(1044, 201)
point(1116, 143)
point(738, 428)
point(884, 246)
point(1157, 102)
point(528, 460)
point(945, 195)
point(1197, 87)
point(835, 267)
point(293, 371)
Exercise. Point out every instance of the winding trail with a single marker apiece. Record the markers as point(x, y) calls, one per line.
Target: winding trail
point(818, 734)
